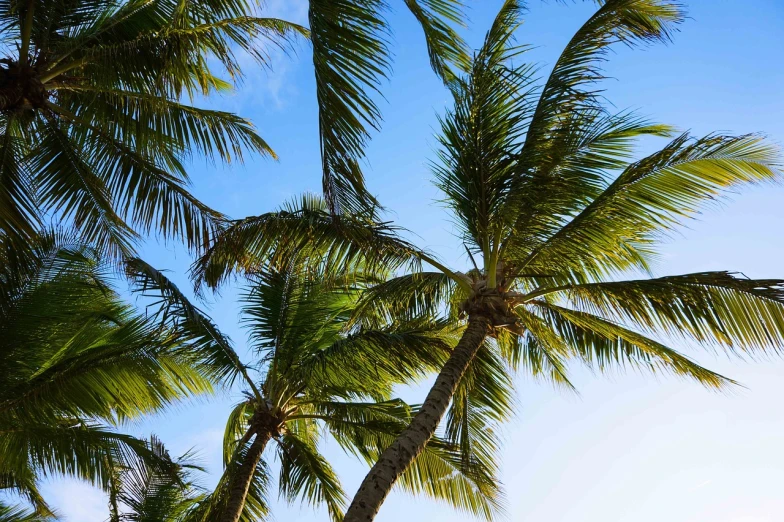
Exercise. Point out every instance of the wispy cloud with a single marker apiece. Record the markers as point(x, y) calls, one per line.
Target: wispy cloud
point(271, 87)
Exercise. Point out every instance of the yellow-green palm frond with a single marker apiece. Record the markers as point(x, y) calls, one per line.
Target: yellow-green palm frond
point(617, 230)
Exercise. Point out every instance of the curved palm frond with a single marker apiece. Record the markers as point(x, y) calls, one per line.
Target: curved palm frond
point(205, 340)
point(351, 57)
point(155, 493)
point(76, 360)
point(304, 228)
point(10, 513)
point(651, 197)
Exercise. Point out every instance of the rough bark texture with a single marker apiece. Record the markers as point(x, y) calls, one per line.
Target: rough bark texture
point(400, 454)
point(242, 480)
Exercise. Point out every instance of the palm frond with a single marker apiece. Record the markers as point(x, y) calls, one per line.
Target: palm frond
point(616, 231)
point(305, 473)
point(448, 52)
point(479, 134)
point(713, 308)
point(204, 339)
point(606, 344)
point(351, 58)
point(11, 513)
point(303, 228)
point(408, 297)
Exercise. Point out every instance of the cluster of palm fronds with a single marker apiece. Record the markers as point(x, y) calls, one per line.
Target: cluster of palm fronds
point(539, 175)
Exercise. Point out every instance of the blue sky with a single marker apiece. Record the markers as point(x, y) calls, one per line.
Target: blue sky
point(629, 447)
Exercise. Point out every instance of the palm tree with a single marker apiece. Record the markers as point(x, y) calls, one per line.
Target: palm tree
point(92, 126)
point(542, 182)
point(154, 493)
point(77, 362)
point(328, 367)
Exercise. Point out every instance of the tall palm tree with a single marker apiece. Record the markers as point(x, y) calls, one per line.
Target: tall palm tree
point(92, 126)
point(542, 182)
point(329, 368)
point(77, 362)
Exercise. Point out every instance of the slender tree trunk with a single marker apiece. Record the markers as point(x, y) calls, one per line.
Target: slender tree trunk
point(241, 484)
point(409, 444)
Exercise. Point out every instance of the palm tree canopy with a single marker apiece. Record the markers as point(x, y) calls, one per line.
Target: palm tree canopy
point(93, 127)
point(328, 364)
point(542, 182)
point(78, 361)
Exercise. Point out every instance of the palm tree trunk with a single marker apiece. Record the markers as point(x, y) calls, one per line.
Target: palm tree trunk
point(242, 480)
point(409, 444)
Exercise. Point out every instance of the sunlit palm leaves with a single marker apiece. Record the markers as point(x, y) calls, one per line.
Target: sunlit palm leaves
point(77, 360)
point(93, 127)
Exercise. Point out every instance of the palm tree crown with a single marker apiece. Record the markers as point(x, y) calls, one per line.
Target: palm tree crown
point(328, 364)
point(543, 185)
point(92, 128)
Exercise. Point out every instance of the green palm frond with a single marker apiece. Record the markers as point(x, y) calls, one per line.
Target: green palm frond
point(351, 57)
point(481, 403)
point(651, 197)
point(156, 493)
point(23, 481)
point(606, 344)
point(70, 447)
point(408, 297)
point(305, 228)
point(78, 359)
point(10, 513)
point(713, 308)
point(18, 215)
point(305, 473)
point(540, 350)
point(479, 133)
point(567, 89)
point(205, 341)
point(449, 53)
point(70, 187)
point(589, 146)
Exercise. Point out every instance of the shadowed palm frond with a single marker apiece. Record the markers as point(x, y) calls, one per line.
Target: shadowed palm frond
point(305, 473)
point(11, 513)
point(93, 120)
point(449, 54)
point(351, 57)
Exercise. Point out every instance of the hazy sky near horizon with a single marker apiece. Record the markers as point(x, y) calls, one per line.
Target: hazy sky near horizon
point(629, 447)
